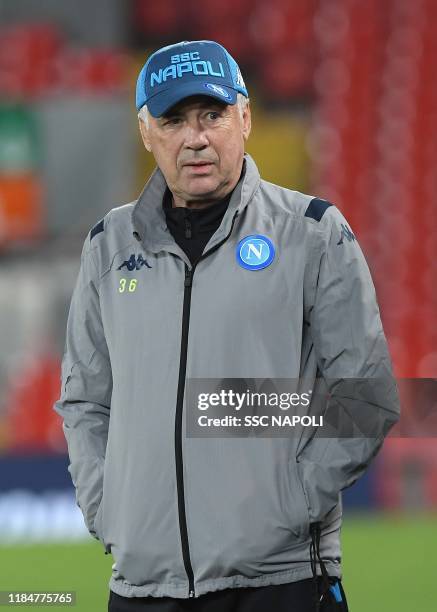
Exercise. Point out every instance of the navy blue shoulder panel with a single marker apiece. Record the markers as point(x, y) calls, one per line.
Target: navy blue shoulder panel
point(99, 227)
point(316, 208)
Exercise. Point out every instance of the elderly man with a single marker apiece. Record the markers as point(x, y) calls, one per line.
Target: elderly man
point(214, 273)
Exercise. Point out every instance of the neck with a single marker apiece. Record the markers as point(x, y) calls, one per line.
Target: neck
point(178, 202)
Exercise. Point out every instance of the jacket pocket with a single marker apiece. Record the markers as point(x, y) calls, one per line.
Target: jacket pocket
point(99, 526)
point(300, 519)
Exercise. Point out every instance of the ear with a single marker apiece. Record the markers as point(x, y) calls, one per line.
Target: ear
point(145, 135)
point(247, 122)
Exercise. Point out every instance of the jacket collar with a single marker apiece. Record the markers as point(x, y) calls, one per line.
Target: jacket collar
point(148, 217)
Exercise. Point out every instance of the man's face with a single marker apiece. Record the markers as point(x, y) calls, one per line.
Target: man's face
point(199, 146)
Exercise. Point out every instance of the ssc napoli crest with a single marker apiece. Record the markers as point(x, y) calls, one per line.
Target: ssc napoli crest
point(217, 89)
point(255, 252)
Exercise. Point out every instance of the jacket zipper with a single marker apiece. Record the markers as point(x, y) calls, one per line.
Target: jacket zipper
point(188, 282)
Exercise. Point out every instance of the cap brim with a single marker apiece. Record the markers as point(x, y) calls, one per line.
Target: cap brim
point(159, 104)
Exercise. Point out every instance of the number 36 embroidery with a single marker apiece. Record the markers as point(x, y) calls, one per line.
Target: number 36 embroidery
point(127, 286)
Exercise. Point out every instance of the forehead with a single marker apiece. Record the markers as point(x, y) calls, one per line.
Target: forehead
point(196, 103)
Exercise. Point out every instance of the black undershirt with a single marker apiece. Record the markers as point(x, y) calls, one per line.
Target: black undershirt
point(192, 228)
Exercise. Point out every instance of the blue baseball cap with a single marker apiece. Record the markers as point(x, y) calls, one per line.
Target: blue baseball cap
point(188, 68)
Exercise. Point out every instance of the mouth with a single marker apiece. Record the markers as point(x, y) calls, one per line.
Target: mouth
point(197, 164)
point(198, 167)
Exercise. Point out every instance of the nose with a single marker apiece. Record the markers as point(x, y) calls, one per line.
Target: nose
point(195, 137)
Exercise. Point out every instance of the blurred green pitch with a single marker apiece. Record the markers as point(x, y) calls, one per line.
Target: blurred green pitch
point(389, 565)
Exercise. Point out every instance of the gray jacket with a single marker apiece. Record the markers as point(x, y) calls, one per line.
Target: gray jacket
point(181, 515)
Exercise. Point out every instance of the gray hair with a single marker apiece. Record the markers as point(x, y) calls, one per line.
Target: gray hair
point(242, 103)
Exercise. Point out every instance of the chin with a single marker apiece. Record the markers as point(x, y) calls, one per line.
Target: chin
point(203, 189)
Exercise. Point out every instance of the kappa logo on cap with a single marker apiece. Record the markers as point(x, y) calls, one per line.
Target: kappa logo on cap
point(217, 89)
point(240, 81)
point(255, 252)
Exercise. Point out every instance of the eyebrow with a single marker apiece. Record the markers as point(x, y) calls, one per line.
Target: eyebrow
point(168, 114)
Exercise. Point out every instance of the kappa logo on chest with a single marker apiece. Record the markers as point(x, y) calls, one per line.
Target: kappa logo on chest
point(135, 262)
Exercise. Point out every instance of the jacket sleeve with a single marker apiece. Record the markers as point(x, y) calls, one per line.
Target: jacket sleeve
point(353, 359)
point(86, 381)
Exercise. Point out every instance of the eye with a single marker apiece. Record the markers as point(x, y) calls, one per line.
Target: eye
point(213, 115)
point(173, 121)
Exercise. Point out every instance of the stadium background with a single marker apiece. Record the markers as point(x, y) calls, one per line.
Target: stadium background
point(344, 100)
